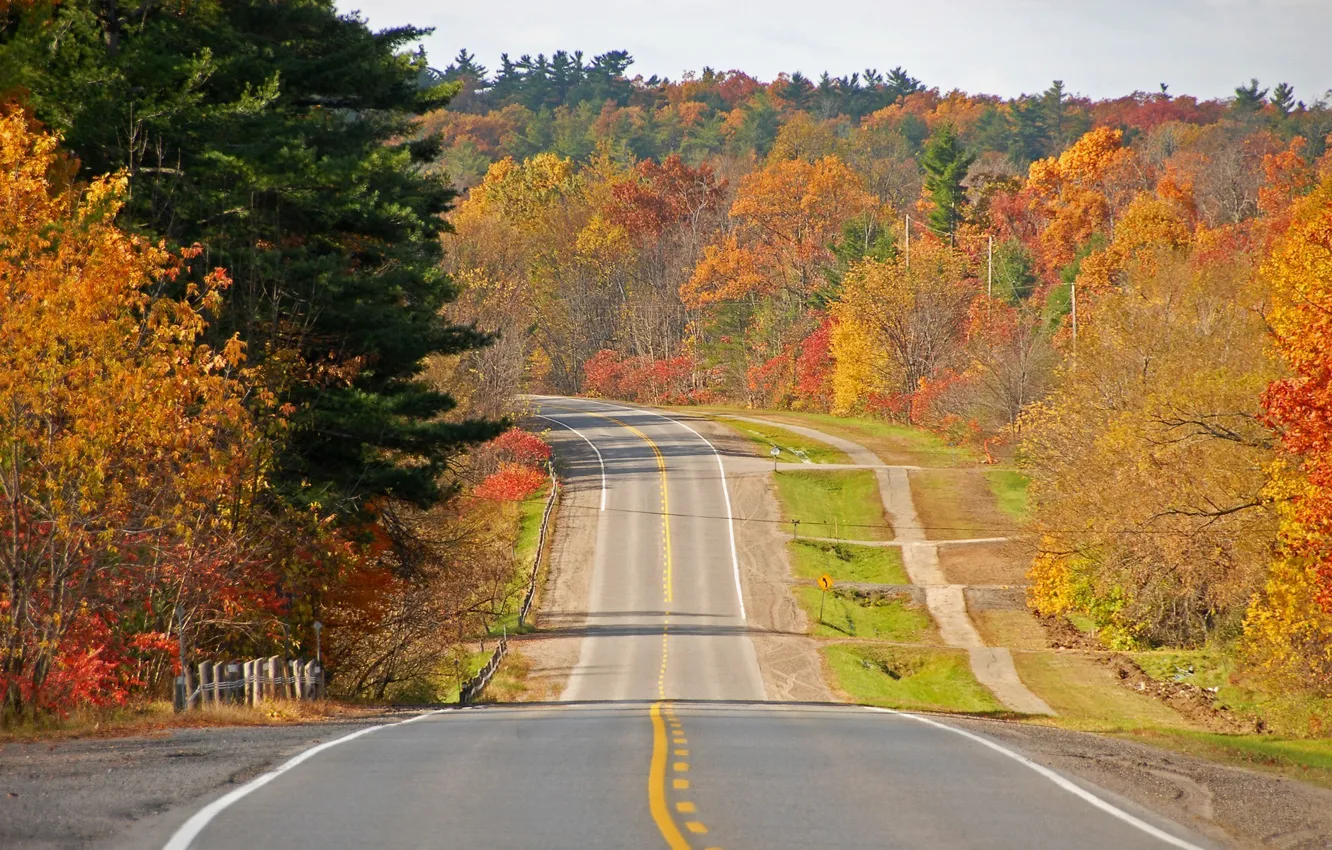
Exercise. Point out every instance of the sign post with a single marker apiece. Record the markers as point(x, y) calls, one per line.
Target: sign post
point(318, 627)
point(774, 454)
point(825, 584)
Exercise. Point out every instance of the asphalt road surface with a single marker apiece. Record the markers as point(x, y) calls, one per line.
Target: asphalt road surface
point(662, 737)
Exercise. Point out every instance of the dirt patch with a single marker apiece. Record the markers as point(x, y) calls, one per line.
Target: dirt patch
point(957, 504)
point(1064, 635)
point(980, 599)
point(1010, 628)
point(985, 563)
point(1193, 702)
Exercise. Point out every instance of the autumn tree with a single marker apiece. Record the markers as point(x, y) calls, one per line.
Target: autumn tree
point(281, 137)
point(899, 325)
point(1147, 459)
point(128, 462)
point(1290, 626)
point(785, 217)
point(1073, 193)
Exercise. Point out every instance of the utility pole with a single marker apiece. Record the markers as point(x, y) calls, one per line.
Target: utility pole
point(989, 276)
point(989, 282)
point(1073, 300)
point(908, 242)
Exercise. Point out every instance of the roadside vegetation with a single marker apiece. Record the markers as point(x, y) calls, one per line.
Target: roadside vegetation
point(843, 504)
point(912, 678)
point(847, 562)
point(868, 615)
point(792, 447)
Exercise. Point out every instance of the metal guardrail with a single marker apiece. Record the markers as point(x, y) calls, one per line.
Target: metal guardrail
point(540, 548)
point(475, 685)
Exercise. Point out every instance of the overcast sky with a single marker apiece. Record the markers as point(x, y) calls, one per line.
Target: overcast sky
point(1099, 48)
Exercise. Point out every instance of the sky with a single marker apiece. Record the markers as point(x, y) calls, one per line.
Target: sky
point(1099, 48)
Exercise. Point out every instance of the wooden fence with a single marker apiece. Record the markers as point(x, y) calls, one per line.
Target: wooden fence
point(248, 682)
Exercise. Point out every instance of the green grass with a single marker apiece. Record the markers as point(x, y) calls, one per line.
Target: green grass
point(1010, 491)
point(841, 503)
point(893, 443)
point(1309, 759)
point(909, 678)
point(1199, 667)
point(529, 513)
point(1088, 697)
point(795, 448)
point(881, 617)
point(847, 562)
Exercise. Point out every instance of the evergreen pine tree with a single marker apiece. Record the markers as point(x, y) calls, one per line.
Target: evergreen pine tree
point(946, 163)
point(280, 137)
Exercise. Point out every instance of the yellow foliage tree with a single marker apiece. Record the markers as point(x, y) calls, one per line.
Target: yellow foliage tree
point(898, 325)
point(1147, 457)
point(1289, 628)
point(127, 459)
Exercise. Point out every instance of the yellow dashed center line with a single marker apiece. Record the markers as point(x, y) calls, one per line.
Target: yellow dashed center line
point(662, 712)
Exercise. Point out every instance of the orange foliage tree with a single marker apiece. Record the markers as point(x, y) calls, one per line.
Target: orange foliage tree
point(1290, 625)
point(786, 216)
point(127, 459)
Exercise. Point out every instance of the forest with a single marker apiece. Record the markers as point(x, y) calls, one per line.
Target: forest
point(271, 287)
point(1126, 297)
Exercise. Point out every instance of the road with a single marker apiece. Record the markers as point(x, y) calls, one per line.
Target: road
point(662, 737)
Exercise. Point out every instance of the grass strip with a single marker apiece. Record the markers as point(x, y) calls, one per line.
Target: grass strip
point(1010, 491)
point(842, 503)
point(793, 447)
point(909, 678)
point(871, 616)
point(847, 562)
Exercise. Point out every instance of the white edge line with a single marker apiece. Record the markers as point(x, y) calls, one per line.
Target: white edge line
point(185, 835)
point(1062, 782)
point(730, 520)
point(594, 448)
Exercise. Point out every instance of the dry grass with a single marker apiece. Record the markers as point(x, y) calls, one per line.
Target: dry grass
point(1087, 696)
point(956, 504)
point(158, 717)
point(1013, 629)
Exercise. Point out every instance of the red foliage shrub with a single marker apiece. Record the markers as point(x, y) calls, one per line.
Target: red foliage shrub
point(520, 447)
point(814, 368)
point(513, 482)
point(674, 380)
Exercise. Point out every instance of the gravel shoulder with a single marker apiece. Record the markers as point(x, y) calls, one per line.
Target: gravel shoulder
point(1234, 806)
point(88, 792)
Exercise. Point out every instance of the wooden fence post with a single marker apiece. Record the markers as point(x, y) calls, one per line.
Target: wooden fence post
point(188, 698)
point(205, 682)
point(274, 676)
